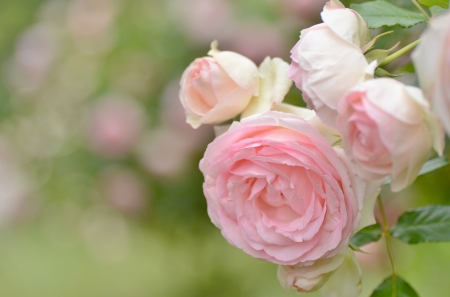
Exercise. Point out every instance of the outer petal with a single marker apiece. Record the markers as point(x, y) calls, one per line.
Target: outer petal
point(426, 56)
point(228, 107)
point(346, 280)
point(331, 67)
point(432, 63)
point(347, 24)
point(330, 133)
point(218, 88)
point(433, 124)
point(240, 69)
point(403, 107)
point(334, 4)
point(367, 211)
point(308, 278)
point(273, 86)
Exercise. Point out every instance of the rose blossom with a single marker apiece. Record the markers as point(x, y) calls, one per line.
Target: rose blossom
point(278, 190)
point(432, 62)
point(217, 88)
point(328, 60)
point(387, 129)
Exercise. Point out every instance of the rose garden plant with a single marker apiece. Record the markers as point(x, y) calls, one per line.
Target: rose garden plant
point(297, 186)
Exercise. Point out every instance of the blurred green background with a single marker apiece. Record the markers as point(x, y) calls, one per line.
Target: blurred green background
point(100, 192)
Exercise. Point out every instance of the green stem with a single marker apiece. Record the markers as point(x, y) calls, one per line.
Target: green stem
point(387, 236)
point(400, 52)
point(421, 9)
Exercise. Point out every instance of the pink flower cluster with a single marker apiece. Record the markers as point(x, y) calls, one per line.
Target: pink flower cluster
point(292, 185)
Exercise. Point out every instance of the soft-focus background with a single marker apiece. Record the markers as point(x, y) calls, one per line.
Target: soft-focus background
point(100, 192)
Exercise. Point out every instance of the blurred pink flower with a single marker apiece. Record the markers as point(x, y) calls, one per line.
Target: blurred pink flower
point(114, 126)
point(124, 190)
point(305, 9)
point(255, 40)
point(133, 73)
point(15, 188)
point(202, 20)
point(90, 24)
point(164, 151)
point(35, 52)
point(106, 234)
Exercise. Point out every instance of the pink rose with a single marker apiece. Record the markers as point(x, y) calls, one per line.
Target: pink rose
point(217, 88)
point(432, 61)
point(278, 190)
point(387, 129)
point(328, 61)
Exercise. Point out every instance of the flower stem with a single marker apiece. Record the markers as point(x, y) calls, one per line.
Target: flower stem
point(400, 52)
point(387, 236)
point(421, 9)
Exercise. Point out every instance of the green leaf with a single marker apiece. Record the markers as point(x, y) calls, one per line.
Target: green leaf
point(357, 249)
point(429, 166)
point(403, 289)
point(426, 224)
point(366, 235)
point(371, 43)
point(409, 68)
point(380, 72)
point(379, 54)
point(433, 164)
point(382, 13)
point(435, 10)
point(431, 3)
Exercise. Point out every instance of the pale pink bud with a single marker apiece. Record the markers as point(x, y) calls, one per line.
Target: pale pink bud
point(328, 60)
point(387, 129)
point(217, 88)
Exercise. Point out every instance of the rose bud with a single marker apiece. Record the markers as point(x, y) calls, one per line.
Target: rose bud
point(328, 60)
point(217, 88)
point(387, 129)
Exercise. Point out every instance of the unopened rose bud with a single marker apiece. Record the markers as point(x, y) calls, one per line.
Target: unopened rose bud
point(328, 60)
point(387, 129)
point(217, 88)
